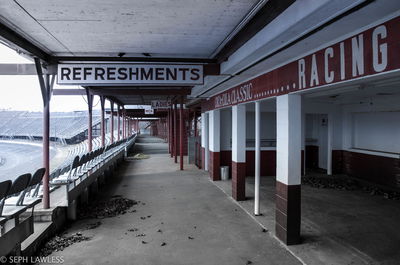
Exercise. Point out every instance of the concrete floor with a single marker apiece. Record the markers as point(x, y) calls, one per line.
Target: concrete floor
point(182, 204)
point(338, 226)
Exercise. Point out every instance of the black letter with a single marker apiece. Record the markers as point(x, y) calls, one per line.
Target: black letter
point(195, 72)
point(122, 75)
point(99, 73)
point(65, 72)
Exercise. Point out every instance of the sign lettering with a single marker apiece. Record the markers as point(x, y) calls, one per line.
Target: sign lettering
point(367, 53)
point(117, 74)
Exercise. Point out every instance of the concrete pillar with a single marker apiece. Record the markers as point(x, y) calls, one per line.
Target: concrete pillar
point(288, 169)
point(72, 211)
point(239, 152)
point(204, 140)
point(214, 144)
point(84, 197)
point(257, 159)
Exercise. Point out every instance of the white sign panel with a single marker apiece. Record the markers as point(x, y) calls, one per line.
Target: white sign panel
point(160, 104)
point(148, 111)
point(125, 74)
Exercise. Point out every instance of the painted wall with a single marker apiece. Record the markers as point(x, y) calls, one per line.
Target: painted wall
point(226, 129)
point(267, 122)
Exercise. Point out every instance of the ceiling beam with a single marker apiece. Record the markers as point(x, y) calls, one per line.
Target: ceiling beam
point(15, 39)
point(68, 92)
point(87, 59)
point(115, 100)
point(139, 91)
point(17, 69)
point(263, 17)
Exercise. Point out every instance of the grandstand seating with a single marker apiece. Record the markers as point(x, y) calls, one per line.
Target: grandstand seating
point(63, 125)
point(22, 194)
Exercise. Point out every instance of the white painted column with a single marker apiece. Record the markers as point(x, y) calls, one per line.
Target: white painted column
point(239, 152)
point(288, 171)
point(214, 144)
point(329, 144)
point(239, 133)
point(288, 142)
point(257, 159)
point(204, 139)
point(214, 130)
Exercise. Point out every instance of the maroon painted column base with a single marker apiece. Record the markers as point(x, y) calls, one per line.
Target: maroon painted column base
point(239, 181)
point(203, 158)
point(215, 166)
point(288, 213)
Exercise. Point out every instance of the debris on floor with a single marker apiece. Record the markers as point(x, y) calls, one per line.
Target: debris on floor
point(104, 209)
point(93, 225)
point(191, 238)
point(140, 156)
point(133, 230)
point(348, 184)
point(60, 242)
point(163, 244)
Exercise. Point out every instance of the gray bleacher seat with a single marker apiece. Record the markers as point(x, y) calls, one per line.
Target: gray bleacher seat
point(12, 205)
point(4, 188)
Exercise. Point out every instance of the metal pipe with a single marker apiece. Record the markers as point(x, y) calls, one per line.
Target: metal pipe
point(181, 134)
point(195, 124)
point(171, 130)
point(46, 153)
point(119, 124)
point(175, 134)
point(257, 160)
point(46, 88)
point(112, 121)
point(102, 132)
point(90, 119)
point(123, 124)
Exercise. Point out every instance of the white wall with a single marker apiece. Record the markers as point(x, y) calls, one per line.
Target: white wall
point(377, 131)
point(226, 129)
point(373, 124)
point(267, 122)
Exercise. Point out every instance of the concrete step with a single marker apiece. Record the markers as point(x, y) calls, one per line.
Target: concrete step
point(47, 222)
point(41, 232)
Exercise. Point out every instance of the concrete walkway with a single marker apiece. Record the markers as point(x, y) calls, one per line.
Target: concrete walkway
point(199, 223)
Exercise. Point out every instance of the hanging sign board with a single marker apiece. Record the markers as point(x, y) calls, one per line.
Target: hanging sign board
point(129, 74)
point(148, 111)
point(160, 104)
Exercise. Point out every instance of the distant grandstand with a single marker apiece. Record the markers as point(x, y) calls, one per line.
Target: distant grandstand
point(65, 127)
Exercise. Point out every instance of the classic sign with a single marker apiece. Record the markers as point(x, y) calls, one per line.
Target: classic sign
point(120, 74)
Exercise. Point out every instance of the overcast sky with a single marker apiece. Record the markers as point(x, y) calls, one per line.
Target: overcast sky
point(22, 92)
